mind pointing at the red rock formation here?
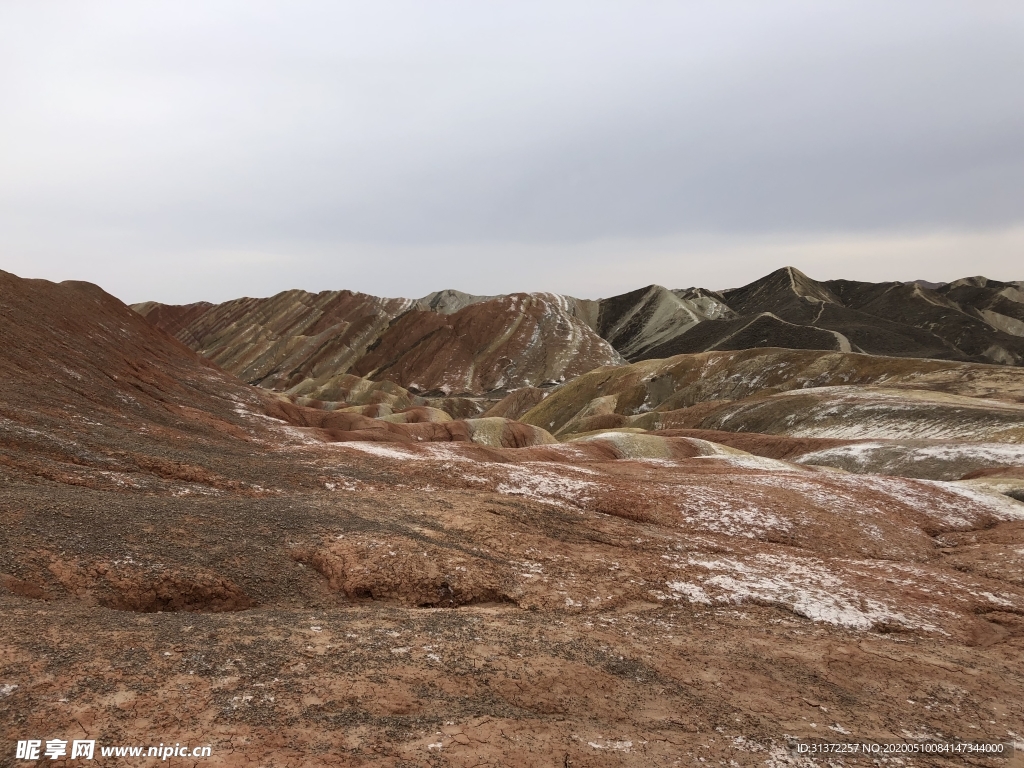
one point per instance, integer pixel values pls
(508, 342)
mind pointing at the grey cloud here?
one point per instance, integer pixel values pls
(289, 127)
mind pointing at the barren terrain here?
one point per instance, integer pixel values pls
(700, 559)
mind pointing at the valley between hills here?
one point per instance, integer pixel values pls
(667, 528)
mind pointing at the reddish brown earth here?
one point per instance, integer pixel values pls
(504, 343)
(187, 559)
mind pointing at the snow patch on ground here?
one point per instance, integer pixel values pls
(806, 586)
(620, 746)
(1002, 507)
(446, 451)
(541, 483)
(300, 435)
(858, 453)
(692, 592)
(387, 452)
(722, 517)
(753, 462)
(899, 458)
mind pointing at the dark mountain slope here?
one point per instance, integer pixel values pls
(786, 292)
(877, 335)
(747, 332)
(637, 321)
(787, 309)
(1001, 305)
(928, 310)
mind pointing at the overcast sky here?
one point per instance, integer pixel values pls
(181, 151)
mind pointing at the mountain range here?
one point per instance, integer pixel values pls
(452, 343)
(332, 529)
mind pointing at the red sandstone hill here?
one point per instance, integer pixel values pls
(513, 341)
(90, 385)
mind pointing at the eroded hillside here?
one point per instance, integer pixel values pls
(649, 564)
(452, 343)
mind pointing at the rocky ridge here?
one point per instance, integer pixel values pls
(453, 343)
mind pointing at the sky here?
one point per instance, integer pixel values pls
(185, 151)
